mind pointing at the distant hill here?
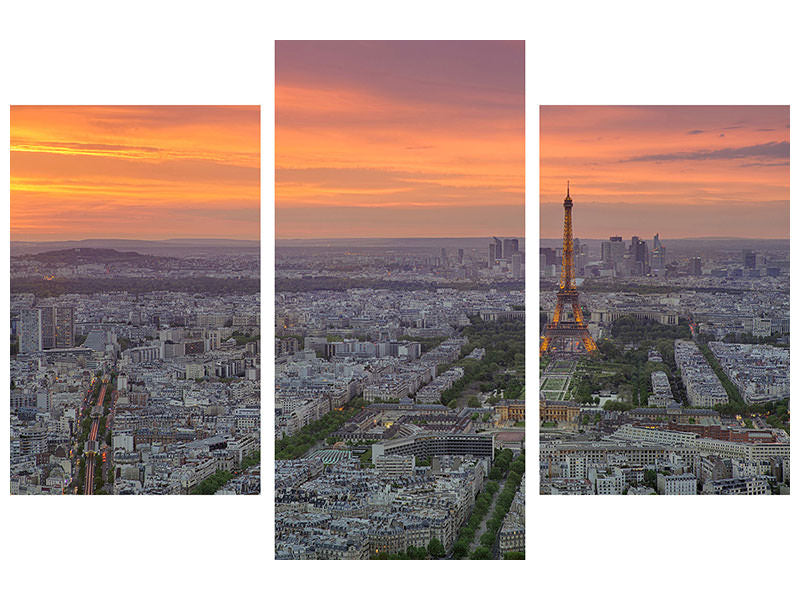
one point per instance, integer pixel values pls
(172, 247)
(82, 256)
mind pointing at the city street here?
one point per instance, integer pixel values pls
(89, 485)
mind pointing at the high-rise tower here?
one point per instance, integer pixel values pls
(564, 334)
(498, 253)
(58, 326)
(30, 331)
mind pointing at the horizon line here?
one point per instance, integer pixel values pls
(399, 237)
(704, 238)
(123, 239)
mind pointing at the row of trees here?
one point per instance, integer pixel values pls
(134, 285)
(502, 463)
(732, 391)
(749, 338)
(631, 329)
(242, 339)
(493, 525)
(296, 445)
(211, 484)
(642, 288)
(86, 426)
(98, 473)
(467, 532)
(780, 417)
(620, 406)
(642, 381)
(312, 284)
(81, 472)
(501, 466)
(776, 413)
(251, 460)
(488, 539)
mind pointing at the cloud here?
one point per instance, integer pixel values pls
(765, 164)
(694, 132)
(770, 150)
(46, 146)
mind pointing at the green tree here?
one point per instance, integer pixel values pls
(460, 549)
(436, 548)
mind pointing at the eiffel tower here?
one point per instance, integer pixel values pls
(564, 334)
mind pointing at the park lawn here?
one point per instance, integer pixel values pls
(552, 384)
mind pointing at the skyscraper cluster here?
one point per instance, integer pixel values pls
(506, 250)
(635, 259)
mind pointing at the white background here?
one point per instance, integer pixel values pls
(223, 53)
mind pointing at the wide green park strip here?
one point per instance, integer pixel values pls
(621, 365)
(502, 367)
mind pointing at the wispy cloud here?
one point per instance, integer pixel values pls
(776, 150)
(638, 169)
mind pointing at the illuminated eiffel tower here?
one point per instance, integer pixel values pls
(564, 334)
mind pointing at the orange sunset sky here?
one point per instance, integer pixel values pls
(399, 139)
(680, 171)
(143, 172)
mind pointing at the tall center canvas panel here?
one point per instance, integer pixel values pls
(400, 300)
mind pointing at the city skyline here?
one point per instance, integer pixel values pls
(135, 172)
(386, 139)
(629, 167)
